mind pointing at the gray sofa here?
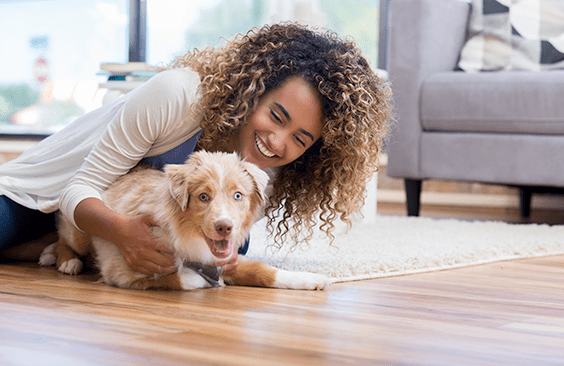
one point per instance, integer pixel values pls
(491, 127)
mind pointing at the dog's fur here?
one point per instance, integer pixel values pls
(204, 209)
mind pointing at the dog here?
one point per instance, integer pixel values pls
(204, 209)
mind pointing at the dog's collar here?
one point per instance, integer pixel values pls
(208, 273)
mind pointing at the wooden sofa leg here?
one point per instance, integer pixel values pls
(525, 194)
(413, 195)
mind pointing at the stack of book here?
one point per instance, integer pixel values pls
(131, 71)
(123, 78)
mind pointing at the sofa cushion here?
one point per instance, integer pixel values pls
(505, 102)
(514, 35)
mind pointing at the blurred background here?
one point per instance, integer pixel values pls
(52, 49)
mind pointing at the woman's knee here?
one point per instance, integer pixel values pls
(19, 224)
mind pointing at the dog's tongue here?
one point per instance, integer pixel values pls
(222, 248)
(222, 244)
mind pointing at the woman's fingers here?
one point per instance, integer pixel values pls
(230, 265)
(143, 252)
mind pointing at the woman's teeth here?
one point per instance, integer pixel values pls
(263, 149)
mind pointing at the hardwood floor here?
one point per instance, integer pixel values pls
(507, 313)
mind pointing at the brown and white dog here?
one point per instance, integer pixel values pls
(204, 209)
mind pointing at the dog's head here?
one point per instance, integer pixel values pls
(217, 198)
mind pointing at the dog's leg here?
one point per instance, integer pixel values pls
(255, 273)
(63, 256)
(66, 252)
(185, 279)
(49, 255)
(170, 282)
(67, 260)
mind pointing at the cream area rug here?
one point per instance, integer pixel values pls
(392, 246)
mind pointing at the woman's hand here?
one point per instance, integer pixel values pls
(230, 266)
(132, 235)
(141, 250)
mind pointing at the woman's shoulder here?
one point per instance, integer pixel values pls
(172, 88)
(174, 80)
(180, 74)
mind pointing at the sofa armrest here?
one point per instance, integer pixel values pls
(426, 37)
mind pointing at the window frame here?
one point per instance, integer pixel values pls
(137, 30)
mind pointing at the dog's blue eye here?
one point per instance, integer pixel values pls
(204, 197)
(238, 196)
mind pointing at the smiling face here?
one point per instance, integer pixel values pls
(285, 123)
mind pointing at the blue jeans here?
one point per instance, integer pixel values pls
(19, 224)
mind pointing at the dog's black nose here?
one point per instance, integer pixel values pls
(224, 227)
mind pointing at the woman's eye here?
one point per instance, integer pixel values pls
(275, 116)
(204, 197)
(238, 196)
(299, 140)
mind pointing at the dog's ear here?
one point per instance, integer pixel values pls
(178, 184)
(179, 177)
(260, 179)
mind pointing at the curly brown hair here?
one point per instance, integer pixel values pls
(329, 180)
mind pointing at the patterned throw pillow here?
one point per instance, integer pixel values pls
(514, 35)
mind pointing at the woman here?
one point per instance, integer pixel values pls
(302, 104)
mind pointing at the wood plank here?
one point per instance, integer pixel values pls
(500, 313)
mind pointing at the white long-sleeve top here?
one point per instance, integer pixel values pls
(84, 158)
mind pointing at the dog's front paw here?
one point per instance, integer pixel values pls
(72, 267)
(301, 280)
(48, 257)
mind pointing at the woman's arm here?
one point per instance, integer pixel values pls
(149, 117)
(158, 109)
(132, 235)
(156, 114)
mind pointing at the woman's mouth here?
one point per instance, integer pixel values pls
(263, 149)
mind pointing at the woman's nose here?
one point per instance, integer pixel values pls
(276, 140)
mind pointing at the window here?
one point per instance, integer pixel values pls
(52, 52)
(174, 26)
(55, 47)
